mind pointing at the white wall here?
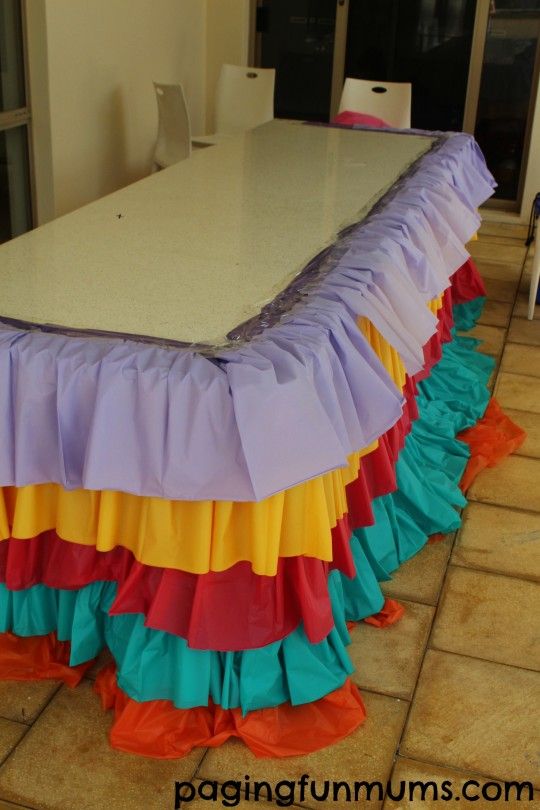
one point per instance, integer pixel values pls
(100, 58)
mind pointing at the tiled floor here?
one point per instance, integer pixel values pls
(450, 691)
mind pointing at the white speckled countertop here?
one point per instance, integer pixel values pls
(201, 246)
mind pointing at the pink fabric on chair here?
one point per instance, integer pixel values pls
(350, 117)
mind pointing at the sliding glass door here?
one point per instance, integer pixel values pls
(507, 89)
(303, 40)
(473, 65)
(15, 191)
(425, 42)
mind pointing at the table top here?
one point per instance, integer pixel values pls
(189, 253)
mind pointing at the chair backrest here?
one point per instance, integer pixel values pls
(390, 101)
(174, 129)
(244, 97)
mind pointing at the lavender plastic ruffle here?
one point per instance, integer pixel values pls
(291, 394)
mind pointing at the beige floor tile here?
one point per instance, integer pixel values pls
(530, 422)
(420, 578)
(496, 313)
(492, 338)
(506, 229)
(484, 250)
(509, 273)
(497, 539)
(23, 700)
(518, 392)
(520, 359)
(72, 764)
(366, 754)
(499, 289)
(388, 659)
(477, 716)
(408, 770)
(515, 482)
(523, 331)
(10, 735)
(489, 616)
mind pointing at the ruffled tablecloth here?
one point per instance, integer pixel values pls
(216, 517)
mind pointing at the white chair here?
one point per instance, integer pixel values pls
(174, 129)
(390, 101)
(244, 99)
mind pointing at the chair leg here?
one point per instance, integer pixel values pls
(535, 278)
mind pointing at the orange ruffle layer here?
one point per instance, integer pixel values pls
(37, 658)
(158, 729)
(493, 438)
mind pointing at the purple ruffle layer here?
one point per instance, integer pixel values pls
(291, 401)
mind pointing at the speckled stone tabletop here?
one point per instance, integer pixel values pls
(190, 252)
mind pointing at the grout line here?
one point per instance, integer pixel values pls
(399, 597)
(16, 804)
(493, 573)
(512, 508)
(485, 660)
(197, 768)
(30, 726)
(522, 410)
(519, 373)
(482, 658)
(372, 691)
(473, 499)
(521, 578)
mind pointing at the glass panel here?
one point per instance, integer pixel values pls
(15, 211)
(297, 38)
(12, 91)
(505, 89)
(426, 42)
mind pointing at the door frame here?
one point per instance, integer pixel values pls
(21, 117)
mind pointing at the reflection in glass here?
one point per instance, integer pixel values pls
(506, 88)
(297, 39)
(425, 42)
(15, 213)
(12, 92)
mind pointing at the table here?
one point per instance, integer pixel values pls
(207, 380)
